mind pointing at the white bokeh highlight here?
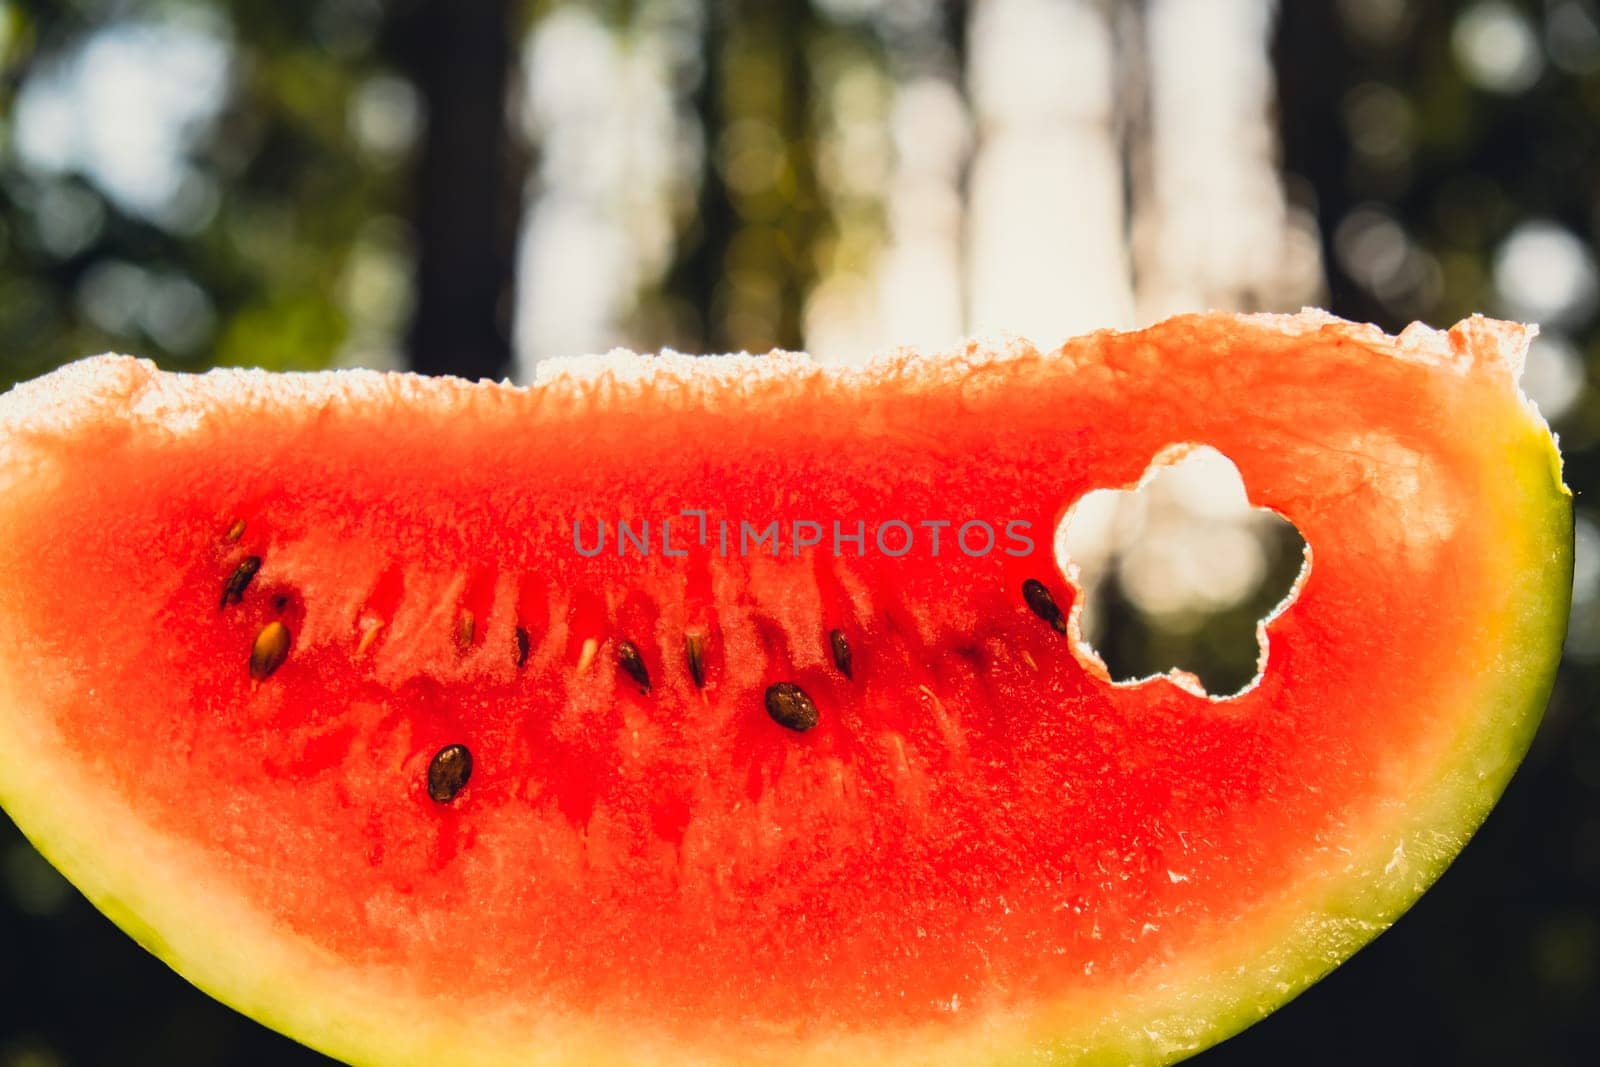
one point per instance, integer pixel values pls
(122, 109)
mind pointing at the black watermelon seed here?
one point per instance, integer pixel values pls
(233, 589)
(1043, 604)
(448, 773)
(269, 651)
(694, 651)
(841, 652)
(629, 660)
(789, 707)
(523, 646)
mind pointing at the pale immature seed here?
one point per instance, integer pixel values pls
(466, 626)
(369, 637)
(235, 531)
(269, 651)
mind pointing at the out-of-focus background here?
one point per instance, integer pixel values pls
(472, 187)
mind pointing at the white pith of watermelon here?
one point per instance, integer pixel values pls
(1111, 874)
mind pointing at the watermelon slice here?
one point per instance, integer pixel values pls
(324, 688)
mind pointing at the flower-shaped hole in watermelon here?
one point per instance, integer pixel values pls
(1180, 574)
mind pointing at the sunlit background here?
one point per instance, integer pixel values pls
(474, 187)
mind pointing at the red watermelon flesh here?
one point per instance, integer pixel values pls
(245, 620)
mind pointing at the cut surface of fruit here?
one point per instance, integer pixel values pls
(733, 710)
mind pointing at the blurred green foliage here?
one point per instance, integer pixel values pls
(267, 238)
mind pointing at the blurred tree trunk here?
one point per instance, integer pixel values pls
(1311, 60)
(804, 217)
(746, 263)
(703, 248)
(468, 182)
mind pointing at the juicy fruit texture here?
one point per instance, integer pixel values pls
(318, 686)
